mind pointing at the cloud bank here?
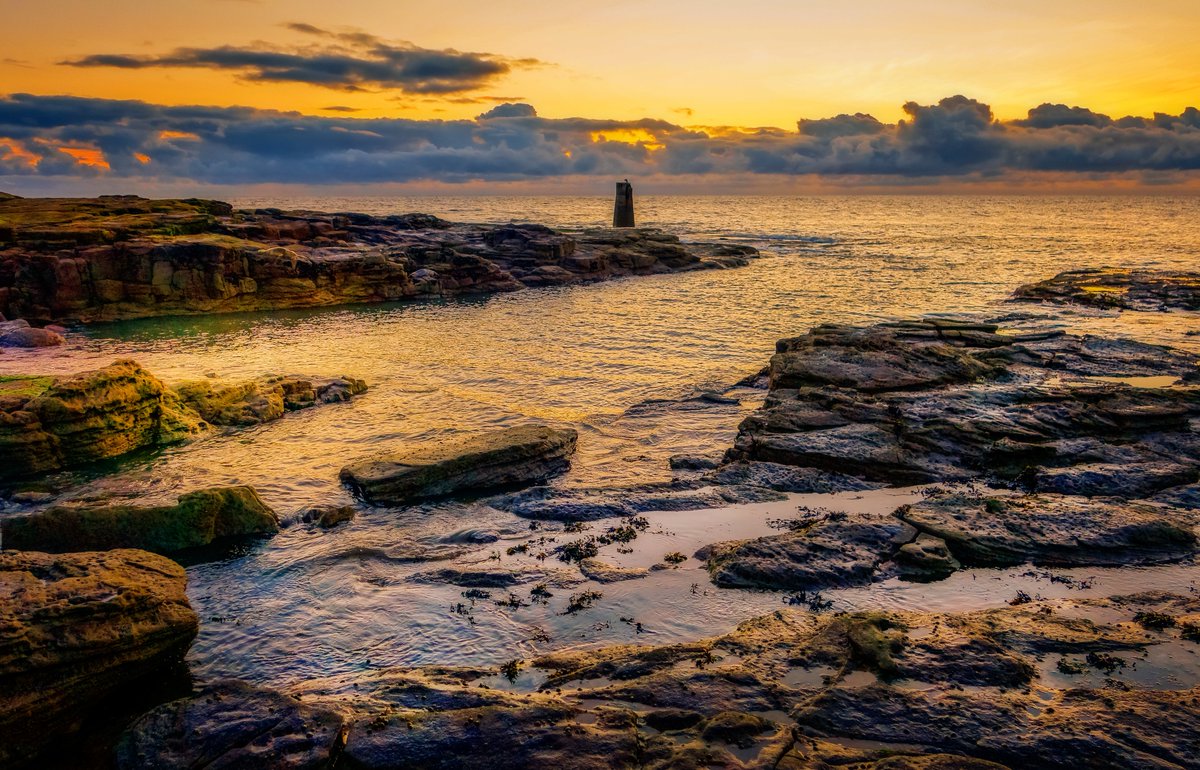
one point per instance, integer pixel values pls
(957, 138)
(347, 61)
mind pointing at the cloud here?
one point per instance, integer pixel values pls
(343, 60)
(956, 138)
(509, 111)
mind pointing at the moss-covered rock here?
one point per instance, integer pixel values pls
(198, 519)
(91, 416)
(78, 629)
(256, 401)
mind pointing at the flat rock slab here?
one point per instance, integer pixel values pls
(840, 550)
(514, 456)
(549, 503)
(1117, 288)
(234, 725)
(198, 519)
(75, 629)
(1127, 480)
(1058, 530)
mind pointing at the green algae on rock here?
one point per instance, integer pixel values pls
(49, 424)
(257, 401)
(91, 416)
(197, 519)
(75, 630)
(522, 455)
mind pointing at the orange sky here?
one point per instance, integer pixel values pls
(754, 62)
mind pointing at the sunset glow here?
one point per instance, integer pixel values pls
(735, 72)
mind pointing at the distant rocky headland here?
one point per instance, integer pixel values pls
(119, 257)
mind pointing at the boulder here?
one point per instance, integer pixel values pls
(231, 724)
(19, 334)
(328, 516)
(77, 629)
(1058, 530)
(91, 416)
(197, 519)
(508, 457)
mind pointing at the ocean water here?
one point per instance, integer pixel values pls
(616, 360)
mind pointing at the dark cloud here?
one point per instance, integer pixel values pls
(509, 111)
(1053, 115)
(957, 138)
(348, 61)
(842, 125)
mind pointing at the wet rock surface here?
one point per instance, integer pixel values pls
(1060, 530)
(118, 257)
(831, 550)
(593, 504)
(198, 519)
(77, 629)
(791, 689)
(951, 400)
(49, 424)
(1117, 288)
(233, 724)
(522, 455)
(258, 401)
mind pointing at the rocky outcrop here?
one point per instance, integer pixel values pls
(54, 424)
(1145, 290)
(77, 629)
(1058, 530)
(198, 519)
(797, 690)
(512, 456)
(234, 724)
(48, 424)
(942, 400)
(257, 401)
(126, 257)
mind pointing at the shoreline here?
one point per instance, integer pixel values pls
(822, 670)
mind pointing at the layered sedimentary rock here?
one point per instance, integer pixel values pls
(127, 257)
(870, 690)
(522, 455)
(48, 424)
(1058, 530)
(233, 724)
(1146, 290)
(256, 401)
(197, 519)
(51, 424)
(78, 628)
(943, 400)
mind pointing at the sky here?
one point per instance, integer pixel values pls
(523, 95)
